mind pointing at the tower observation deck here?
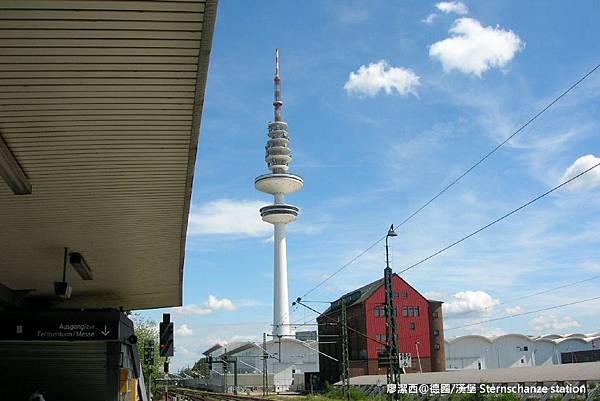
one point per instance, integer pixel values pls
(279, 182)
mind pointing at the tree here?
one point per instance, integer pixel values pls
(200, 368)
(146, 329)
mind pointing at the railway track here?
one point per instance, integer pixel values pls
(185, 394)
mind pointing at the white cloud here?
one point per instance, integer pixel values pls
(370, 80)
(181, 350)
(467, 301)
(514, 310)
(447, 7)
(211, 305)
(229, 217)
(192, 310)
(216, 304)
(429, 19)
(589, 180)
(452, 7)
(473, 49)
(548, 323)
(184, 331)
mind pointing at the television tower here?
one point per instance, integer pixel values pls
(279, 183)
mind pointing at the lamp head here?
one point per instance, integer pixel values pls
(391, 232)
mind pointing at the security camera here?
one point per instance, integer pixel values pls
(63, 289)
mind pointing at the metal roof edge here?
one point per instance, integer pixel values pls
(208, 26)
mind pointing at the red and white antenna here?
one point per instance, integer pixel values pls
(279, 182)
(277, 103)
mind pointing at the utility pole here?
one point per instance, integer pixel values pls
(235, 378)
(265, 365)
(345, 358)
(225, 366)
(393, 373)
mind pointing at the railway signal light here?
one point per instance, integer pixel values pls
(166, 336)
(149, 352)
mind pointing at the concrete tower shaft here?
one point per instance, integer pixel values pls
(279, 183)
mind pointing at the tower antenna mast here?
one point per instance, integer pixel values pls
(277, 103)
(279, 182)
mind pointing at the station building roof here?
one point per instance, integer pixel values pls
(100, 105)
(555, 338)
(360, 295)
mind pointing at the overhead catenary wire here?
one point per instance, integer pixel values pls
(523, 313)
(461, 176)
(499, 219)
(562, 184)
(353, 329)
(497, 147)
(347, 326)
(453, 315)
(343, 266)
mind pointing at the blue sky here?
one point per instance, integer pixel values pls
(387, 102)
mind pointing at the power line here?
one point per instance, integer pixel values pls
(478, 231)
(525, 296)
(347, 326)
(335, 322)
(494, 150)
(523, 313)
(316, 302)
(344, 266)
(444, 249)
(460, 177)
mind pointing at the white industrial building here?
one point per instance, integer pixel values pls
(518, 350)
(289, 359)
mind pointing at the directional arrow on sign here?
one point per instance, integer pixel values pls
(105, 331)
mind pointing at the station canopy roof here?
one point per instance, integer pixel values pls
(100, 105)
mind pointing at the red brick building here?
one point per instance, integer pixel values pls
(420, 330)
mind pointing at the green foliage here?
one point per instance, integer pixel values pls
(147, 329)
(200, 368)
(336, 393)
(596, 396)
(333, 392)
(503, 397)
(469, 397)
